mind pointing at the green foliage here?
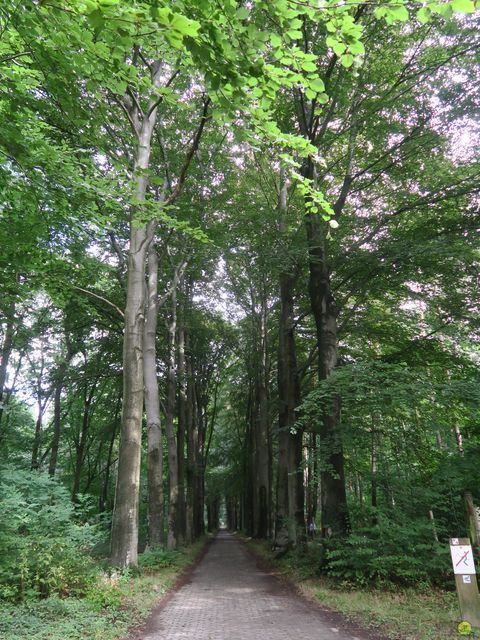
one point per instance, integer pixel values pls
(53, 618)
(389, 552)
(159, 558)
(109, 606)
(43, 548)
(104, 594)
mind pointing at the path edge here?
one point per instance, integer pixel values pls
(336, 618)
(136, 632)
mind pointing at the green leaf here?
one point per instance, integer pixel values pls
(423, 14)
(398, 13)
(347, 60)
(309, 66)
(337, 46)
(184, 25)
(242, 13)
(275, 41)
(463, 6)
(317, 85)
(356, 48)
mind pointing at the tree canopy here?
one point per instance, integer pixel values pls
(239, 277)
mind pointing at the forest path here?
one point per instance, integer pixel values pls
(229, 598)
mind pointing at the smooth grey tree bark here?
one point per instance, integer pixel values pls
(182, 422)
(152, 406)
(172, 535)
(125, 515)
(124, 550)
(173, 538)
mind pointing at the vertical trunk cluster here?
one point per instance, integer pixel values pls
(7, 347)
(152, 406)
(332, 479)
(182, 426)
(262, 464)
(290, 519)
(311, 478)
(57, 406)
(200, 424)
(125, 514)
(256, 501)
(81, 444)
(195, 419)
(170, 410)
(187, 422)
(139, 355)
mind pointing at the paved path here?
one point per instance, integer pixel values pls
(229, 598)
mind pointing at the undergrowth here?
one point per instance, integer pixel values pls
(110, 605)
(420, 612)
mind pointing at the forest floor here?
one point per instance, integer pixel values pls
(395, 613)
(231, 589)
(112, 606)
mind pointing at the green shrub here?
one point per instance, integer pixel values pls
(400, 553)
(159, 558)
(42, 547)
(104, 594)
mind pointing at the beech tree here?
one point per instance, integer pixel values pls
(304, 165)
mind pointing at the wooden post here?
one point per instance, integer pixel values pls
(466, 580)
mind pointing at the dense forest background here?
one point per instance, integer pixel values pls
(239, 283)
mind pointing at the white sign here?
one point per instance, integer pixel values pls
(467, 579)
(462, 559)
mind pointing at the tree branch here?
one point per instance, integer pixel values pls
(159, 100)
(193, 149)
(95, 295)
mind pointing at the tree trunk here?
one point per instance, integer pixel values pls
(312, 478)
(82, 441)
(262, 449)
(102, 506)
(191, 455)
(152, 406)
(41, 406)
(201, 422)
(334, 498)
(473, 519)
(249, 465)
(289, 512)
(125, 514)
(172, 538)
(7, 347)
(57, 409)
(182, 418)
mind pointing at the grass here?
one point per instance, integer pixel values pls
(112, 605)
(397, 614)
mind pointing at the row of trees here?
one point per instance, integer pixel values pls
(164, 164)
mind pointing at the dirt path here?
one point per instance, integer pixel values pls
(229, 598)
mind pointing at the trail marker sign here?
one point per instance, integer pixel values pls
(466, 581)
(462, 559)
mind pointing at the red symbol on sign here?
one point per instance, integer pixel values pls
(464, 558)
